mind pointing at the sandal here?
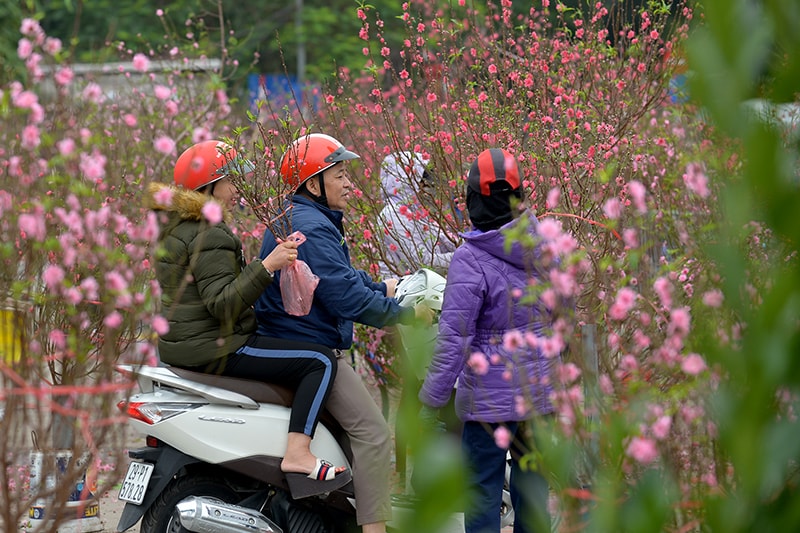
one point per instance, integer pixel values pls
(321, 480)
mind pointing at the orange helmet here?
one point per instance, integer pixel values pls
(206, 162)
(309, 155)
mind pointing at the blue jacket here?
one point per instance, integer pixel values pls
(344, 295)
(480, 306)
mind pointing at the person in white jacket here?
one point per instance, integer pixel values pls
(412, 238)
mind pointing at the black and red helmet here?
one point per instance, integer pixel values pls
(492, 182)
(493, 170)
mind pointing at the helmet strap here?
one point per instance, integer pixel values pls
(321, 199)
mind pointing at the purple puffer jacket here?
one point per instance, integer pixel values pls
(480, 306)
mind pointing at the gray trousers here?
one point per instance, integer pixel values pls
(354, 408)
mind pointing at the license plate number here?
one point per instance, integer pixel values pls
(135, 483)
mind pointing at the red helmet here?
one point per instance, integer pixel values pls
(206, 162)
(309, 155)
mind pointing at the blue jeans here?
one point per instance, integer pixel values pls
(529, 490)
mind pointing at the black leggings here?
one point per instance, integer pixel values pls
(307, 367)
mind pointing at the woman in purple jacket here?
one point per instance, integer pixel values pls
(502, 384)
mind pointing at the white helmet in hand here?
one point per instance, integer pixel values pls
(422, 287)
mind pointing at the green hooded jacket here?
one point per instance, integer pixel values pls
(207, 289)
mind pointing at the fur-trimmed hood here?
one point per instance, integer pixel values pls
(186, 204)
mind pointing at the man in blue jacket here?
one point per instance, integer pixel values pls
(314, 166)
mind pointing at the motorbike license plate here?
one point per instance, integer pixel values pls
(135, 483)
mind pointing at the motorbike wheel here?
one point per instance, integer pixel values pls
(161, 516)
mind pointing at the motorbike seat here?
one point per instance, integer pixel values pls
(257, 390)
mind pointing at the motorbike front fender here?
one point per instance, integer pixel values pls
(168, 461)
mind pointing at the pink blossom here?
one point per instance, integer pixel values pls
(564, 245)
(93, 166)
(563, 282)
(663, 289)
(30, 27)
(641, 340)
(642, 450)
(512, 340)
(52, 45)
(201, 134)
(478, 363)
(521, 407)
(172, 108)
(73, 295)
(161, 92)
(696, 180)
(160, 325)
(66, 146)
(90, 288)
(606, 386)
(709, 478)
(713, 298)
(72, 220)
(661, 427)
(626, 298)
(553, 197)
(116, 282)
(164, 145)
(631, 237)
(53, 276)
(568, 373)
(628, 363)
(33, 64)
(64, 76)
(637, 192)
(693, 364)
(502, 437)
(30, 137)
(212, 212)
(432, 97)
(549, 298)
(24, 48)
(113, 320)
(680, 320)
(552, 346)
(93, 93)
(612, 208)
(164, 196)
(141, 62)
(58, 338)
(33, 226)
(25, 99)
(130, 120)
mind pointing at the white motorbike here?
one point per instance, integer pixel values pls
(212, 457)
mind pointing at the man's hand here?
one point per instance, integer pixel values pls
(391, 285)
(423, 314)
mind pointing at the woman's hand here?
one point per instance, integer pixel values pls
(283, 255)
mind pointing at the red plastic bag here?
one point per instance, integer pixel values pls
(298, 283)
